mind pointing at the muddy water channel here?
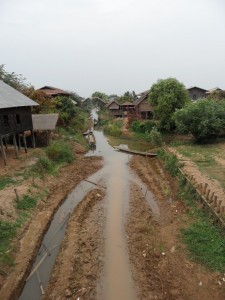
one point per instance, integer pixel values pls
(116, 280)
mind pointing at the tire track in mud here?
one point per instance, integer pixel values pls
(80, 259)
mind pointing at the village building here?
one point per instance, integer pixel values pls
(196, 93)
(53, 92)
(115, 109)
(143, 108)
(128, 108)
(43, 126)
(15, 117)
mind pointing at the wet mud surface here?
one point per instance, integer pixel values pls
(80, 260)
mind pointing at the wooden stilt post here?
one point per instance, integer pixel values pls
(5, 143)
(25, 142)
(15, 145)
(19, 141)
(3, 151)
(33, 139)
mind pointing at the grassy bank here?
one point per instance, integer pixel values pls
(204, 240)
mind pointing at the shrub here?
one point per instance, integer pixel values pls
(171, 162)
(26, 203)
(43, 165)
(113, 130)
(142, 126)
(155, 137)
(59, 151)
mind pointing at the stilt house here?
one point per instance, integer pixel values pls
(15, 116)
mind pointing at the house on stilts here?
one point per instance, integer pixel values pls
(15, 118)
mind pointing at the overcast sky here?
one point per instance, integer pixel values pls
(114, 46)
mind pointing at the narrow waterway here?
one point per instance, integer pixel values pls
(116, 280)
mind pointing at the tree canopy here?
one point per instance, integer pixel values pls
(166, 96)
(204, 119)
(100, 95)
(127, 97)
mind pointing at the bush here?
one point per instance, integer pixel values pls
(171, 162)
(43, 165)
(155, 137)
(113, 130)
(142, 126)
(59, 151)
(203, 119)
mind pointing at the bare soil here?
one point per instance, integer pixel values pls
(28, 240)
(80, 260)
(161, 268)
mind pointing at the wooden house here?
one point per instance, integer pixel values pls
(128, 108)
(115, 109)
(53, 92)
(143, 109)
(196, 93)
(15, 116)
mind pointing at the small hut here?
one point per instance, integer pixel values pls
(15, 117)
(43, 125)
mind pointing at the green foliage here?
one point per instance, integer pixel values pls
(113, 129)
(142, 126)
(59, 151)
(26, 203)
(127, 97)
(205, 243)
(66, 109)
(100, 95)
(17, 81)
(204, 118)
(166, 96)
(43, 166)
(155, 137)
(5, 181)
(171, 162)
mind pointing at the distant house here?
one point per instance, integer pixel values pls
(196, 93)
(215, 90)
(115, 109)
(96, 101)
(128, 108)
(15, 116)
(53, 92)
(143, 109)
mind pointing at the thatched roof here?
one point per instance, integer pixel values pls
(10, 97)
(44, 121)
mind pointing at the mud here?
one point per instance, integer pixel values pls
(160, 266)
(80, 260)
(29, 239)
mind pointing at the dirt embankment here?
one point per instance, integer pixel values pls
(80, 259)
(161, 269)
(28, 242)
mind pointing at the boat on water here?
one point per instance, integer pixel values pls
(127, 150)
(91, 140)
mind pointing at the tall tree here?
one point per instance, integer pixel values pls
(100, 95)
(166, 96)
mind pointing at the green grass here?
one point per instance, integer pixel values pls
(6, 181)
(26, 203)
(204, 156)
(204, 240)
(59, 152)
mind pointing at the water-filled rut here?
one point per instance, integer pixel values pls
(116, 279)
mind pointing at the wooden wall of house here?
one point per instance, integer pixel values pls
(144, 106)
(15, 119)
(196, 94)
(114, 106)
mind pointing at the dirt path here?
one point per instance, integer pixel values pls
(161, 268)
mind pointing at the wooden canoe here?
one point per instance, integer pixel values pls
(135, 152)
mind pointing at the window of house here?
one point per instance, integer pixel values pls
(18, 120)
(6, 120)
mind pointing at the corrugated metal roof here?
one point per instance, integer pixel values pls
(10, 97)
(44, 121)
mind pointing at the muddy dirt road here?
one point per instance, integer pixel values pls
(122, 239)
